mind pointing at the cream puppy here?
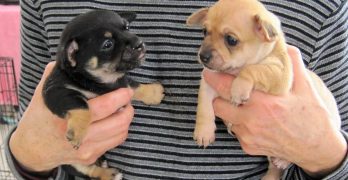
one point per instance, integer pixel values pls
(241, 37)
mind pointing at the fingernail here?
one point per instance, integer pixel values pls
(121, 108)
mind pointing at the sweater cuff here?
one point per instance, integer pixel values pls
(20, 173)
(340, 173)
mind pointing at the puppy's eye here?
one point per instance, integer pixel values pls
(205, 32)
(107, 45)
(231, 41)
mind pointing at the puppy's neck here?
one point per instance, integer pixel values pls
(265, 50)
(106, 77)
(86, 81)
(278, 55)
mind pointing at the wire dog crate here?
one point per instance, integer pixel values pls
(8, 109)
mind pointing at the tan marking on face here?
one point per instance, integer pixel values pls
(93, 63)
(108, 34)
(106, 73)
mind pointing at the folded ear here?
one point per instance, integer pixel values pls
(265, 30)
(129, 16)
(71, 50)
(198, 17)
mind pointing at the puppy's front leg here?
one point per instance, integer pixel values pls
(271, 76)
(78, 122)
(102, 173)
(71, 105)
(150, 94)
(204, 132)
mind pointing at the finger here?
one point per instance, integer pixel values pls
(113, 125)
(251, 144)
(90, 152)
(226, 111)
(107, 104)
(300, 82)
(48, 69)
(220, 82)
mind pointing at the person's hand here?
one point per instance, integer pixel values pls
(295, 126)
(39, 143)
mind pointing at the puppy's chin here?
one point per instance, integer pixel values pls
(229, 70)
(141, 56)
(127, 66)
(211, 68)
(131, 62)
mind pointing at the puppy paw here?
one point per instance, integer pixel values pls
(78, 122)
(204, 134)
(110, 174)
(97, 172)
(156, 94)
(240, 91)
(74, 141)
(102, 173)
(271, 176)
(150, 94)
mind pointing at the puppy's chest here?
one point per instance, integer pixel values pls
(91, 89)
(88, 94)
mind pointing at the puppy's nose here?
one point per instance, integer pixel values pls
(205, 57)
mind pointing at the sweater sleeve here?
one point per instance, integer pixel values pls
(330, 62)
(21, 174)
(296, 173)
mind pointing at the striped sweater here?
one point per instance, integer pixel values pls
(160, 145)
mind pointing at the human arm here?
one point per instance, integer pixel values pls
(295, 126)
(39, 144)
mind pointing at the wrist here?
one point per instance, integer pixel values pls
(29, 174)
(24, 156)
(335, 154)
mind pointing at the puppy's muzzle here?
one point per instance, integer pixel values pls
(205, 57)
(135, 51)
(140, 46)
(211, 59)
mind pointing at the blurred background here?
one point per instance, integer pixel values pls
(9, 74)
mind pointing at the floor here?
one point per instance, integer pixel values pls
(5, 173)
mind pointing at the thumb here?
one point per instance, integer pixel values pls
(109, 103)
(220, 82)
(48, 69)
(229, 113)
(301, 77)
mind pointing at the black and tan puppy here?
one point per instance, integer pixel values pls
(95, 52)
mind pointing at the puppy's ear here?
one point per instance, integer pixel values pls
(129, 16)
(198, 17)
(265, 30)
(71, 50)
